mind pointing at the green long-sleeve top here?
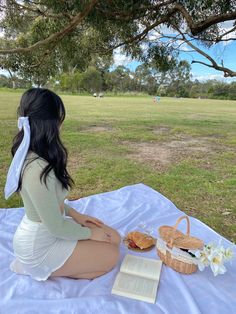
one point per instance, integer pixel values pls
(44, 204)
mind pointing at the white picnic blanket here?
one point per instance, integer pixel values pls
(123, 209)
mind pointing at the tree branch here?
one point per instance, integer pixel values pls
(143, 34)
(75, 21)
(199, 27)
(124, 15)
(227, 71)
(220, 38)
(217, 39)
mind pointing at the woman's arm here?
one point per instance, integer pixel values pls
(72, 213)
(45, 202)
(81, 218)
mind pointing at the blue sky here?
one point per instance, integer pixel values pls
(221, 51)
(225, 51)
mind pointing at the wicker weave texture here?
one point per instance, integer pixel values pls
(179, 266)
(175, 238)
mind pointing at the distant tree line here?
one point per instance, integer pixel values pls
(144, 80)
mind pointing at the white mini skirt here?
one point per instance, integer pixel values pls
(38, 251)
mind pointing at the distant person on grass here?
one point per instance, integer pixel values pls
(48, 243)
(156, 99)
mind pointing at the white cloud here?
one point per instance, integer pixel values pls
(120, 58)
(1, 32)
(185, 47)
(153, 35)
(225, 27)
(209, 76)
(4, 72)
(167, 30)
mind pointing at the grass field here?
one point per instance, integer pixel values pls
(183, 148)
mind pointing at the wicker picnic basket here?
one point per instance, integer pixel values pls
(172, 247)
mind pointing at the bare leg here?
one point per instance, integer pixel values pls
(90, 259)
(90, 275)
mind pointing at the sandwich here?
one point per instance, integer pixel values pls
(139, 240)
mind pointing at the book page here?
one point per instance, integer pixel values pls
(138, 288)
(141, 266)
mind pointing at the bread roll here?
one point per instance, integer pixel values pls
(142, 240)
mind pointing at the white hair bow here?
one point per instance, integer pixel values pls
(18, 159)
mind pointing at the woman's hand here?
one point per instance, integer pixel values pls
(85, 220)
(100, 235)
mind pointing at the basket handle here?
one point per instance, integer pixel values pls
(170, 244)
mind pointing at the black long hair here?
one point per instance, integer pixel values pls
(46, 112)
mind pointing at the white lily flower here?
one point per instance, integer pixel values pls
(201, 266)
(210, 246)
(216, 262)
(218, 268)
(228, 254)
(220, 247)
(213, 255)
(202, 259)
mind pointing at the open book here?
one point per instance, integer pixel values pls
(138, 278)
